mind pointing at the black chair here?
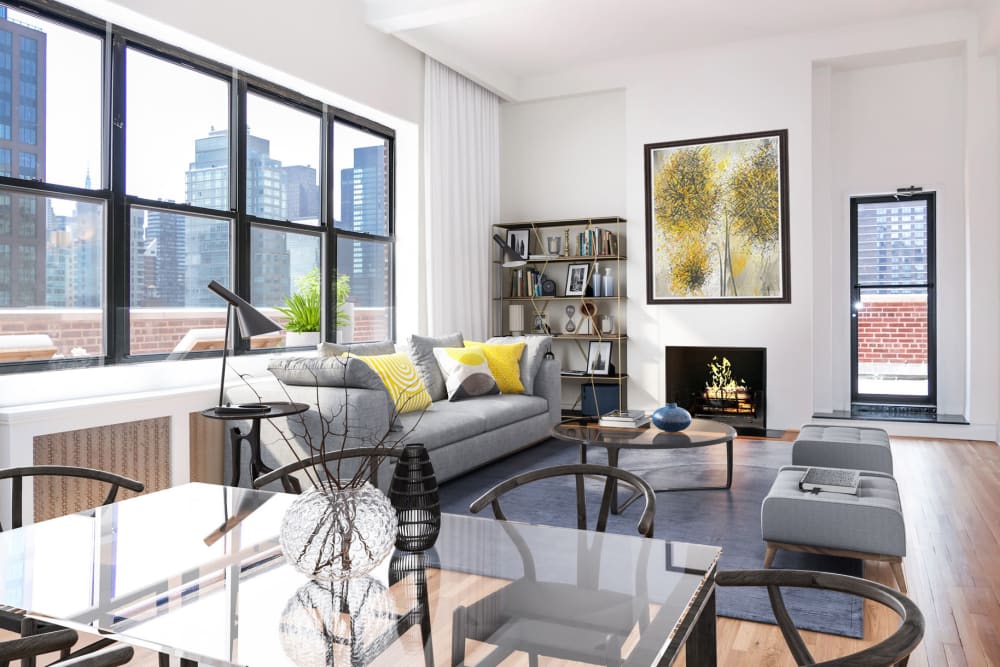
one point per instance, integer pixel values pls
(611, 477)
(374, 457)
(893, 650)
(62, 640)
(14, 620)
(549, 617)
(17, 475)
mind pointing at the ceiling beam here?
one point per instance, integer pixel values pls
(392, 16)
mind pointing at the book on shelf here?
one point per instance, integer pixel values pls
(595, 242)
(525, 283)
(834, 480)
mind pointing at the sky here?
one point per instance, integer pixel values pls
(168, 107)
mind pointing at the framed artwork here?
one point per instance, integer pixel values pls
(717, 220)
(599, 357)
(576, 279)
(518, 240)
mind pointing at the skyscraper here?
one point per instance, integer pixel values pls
(166, 240)
(302, 193)
(362, 209)
(207, 243)
(22, 153)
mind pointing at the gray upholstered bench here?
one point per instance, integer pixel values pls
(868, 525)
(849, 447)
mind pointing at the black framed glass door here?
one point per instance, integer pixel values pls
(893, 300)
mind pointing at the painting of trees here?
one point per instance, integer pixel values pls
(717, 223)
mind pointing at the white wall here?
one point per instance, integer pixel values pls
(563, 158)
(324, 50)
(768, 85)
(888, 132)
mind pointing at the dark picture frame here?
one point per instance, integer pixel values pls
(576, 279)
(717, 219)
(518, 240)
(599, 357)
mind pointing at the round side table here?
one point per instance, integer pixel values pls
(252, 437)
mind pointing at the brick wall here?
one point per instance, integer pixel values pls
(153, 330)
(892, 329)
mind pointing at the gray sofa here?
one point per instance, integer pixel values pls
(459, 436)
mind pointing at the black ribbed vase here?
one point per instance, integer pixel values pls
(414, 494)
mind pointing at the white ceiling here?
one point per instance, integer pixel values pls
(499, 42)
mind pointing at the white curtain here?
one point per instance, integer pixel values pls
(462, 195)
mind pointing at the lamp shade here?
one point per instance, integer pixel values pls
(252, 322)
(511, 260)
(516, 318)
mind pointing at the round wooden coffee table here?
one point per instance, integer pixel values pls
(701, 433)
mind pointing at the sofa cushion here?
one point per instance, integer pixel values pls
(504, 360)
(535, 349)
(466, 372)
(499, 411)
(421, 350)
(400, 378)
(360, 349)
(325, 372)
(446, 423)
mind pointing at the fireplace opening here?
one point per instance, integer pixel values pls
(723, 383)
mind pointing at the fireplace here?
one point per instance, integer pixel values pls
(722, 383)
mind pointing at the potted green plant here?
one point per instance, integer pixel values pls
(303, 309)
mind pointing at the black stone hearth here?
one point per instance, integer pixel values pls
(688, 374)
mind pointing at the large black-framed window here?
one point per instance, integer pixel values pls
(893, 299)
(160, 171)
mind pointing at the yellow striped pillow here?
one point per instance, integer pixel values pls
(504, 360)
(400, 378)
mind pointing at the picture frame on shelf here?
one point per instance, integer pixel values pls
(717, 219)
(599, 357)
(576, 279)
(518, 240)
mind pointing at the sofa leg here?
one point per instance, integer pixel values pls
(897, 571)
(769, 556)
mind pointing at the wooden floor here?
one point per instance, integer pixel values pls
(949, 490)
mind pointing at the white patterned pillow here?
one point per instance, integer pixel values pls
(466, 372)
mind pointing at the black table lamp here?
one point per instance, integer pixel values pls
(511, 260)
(250, 322)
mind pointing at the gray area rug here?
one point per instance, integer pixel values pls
(728, 518)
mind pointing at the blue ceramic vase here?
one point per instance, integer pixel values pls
(671, 418)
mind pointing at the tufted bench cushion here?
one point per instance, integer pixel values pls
(868, 525)
(849, 447)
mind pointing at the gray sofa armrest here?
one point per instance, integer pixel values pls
(283, 440)
(548, 384)
(366, 413)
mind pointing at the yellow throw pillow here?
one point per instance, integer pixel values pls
(400, 378)
(504, 360)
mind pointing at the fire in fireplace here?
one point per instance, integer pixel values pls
(722, 383)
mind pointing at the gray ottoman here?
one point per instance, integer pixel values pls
(843, 447)
(868, 525)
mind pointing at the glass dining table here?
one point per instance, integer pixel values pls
(196, 574)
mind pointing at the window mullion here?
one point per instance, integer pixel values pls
(117, 292)
(329, 255)
(238, 196)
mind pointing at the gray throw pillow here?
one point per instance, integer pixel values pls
(422, 354)
(361, 349)
(325, 372)
(535, 348)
